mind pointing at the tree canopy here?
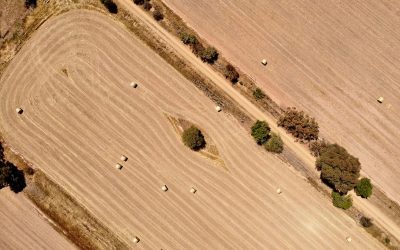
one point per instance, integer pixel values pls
(339, 169)
(193, 138)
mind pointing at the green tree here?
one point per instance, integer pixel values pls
(260, 132)
(193, 138)
(187, 38)
(341, 201)
(339, 169)
(231, 74)
(209, 54)
(258, 94)
(274, 144)
(366, 222)
(110, 5)
(158, 15)
(364, 188)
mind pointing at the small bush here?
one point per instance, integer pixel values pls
(198, 49)
(274, 144)
(341, 201)
(339, 169)
(260, 132)
(29, 171)
(158, 15)
(147, 6)
(231, 74)
(299, 124)
(316, 147)
(258, 94)
(110, 5)
(365, 222)
(209, 55)
(364, 188)
(138, 2)
(188, 39)
(30, 3)
(193, 138)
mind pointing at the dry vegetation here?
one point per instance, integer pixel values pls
(78, 224)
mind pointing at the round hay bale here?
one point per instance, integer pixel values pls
(136, 240)
(123, 158)
(164, 188)
(193, 190)
(264, 62)
(278, 191)
(118, 166)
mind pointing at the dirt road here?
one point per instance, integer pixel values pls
(72, 80)
(300, 151)
(332, 59)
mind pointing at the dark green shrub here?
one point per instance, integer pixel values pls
(365, 222)
(198, 49)
(138, 2)
(339, 169)
(274, 144)
(147, 6)
(260, 132)
(11, 176)
(209, 55)
(299, 124)
(187, 38)
(158, 15)
(193, 138)
(30, 3)
(258, 94)
(110, 5)
(364, 188)
(231, 74)
(341, 201)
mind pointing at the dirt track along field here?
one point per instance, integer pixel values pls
(330, 58)
(22, 226)
(80, 114)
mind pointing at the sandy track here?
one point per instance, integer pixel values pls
(75, 128)
(22, 227)
(332, 59)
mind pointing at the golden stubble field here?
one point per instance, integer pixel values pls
(80, 114)
(329, 58)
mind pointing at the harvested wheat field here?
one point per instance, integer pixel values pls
(332, 59)
(72, 79)
(23, 227)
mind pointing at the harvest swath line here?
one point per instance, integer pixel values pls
(75, 135)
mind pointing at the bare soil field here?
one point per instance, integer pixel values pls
(80, 115)
(329, 58)
(23, 227)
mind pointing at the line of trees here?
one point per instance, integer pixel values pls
(262, 134)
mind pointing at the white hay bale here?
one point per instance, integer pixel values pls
(278, 191)
(118, 166)
(134, 85)
(123, 158)
(348, 239)
(264, 62)
(19, 110)
(164, 188)
(218, 108)
(136, 240)
(380, 99)
(193, 190)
